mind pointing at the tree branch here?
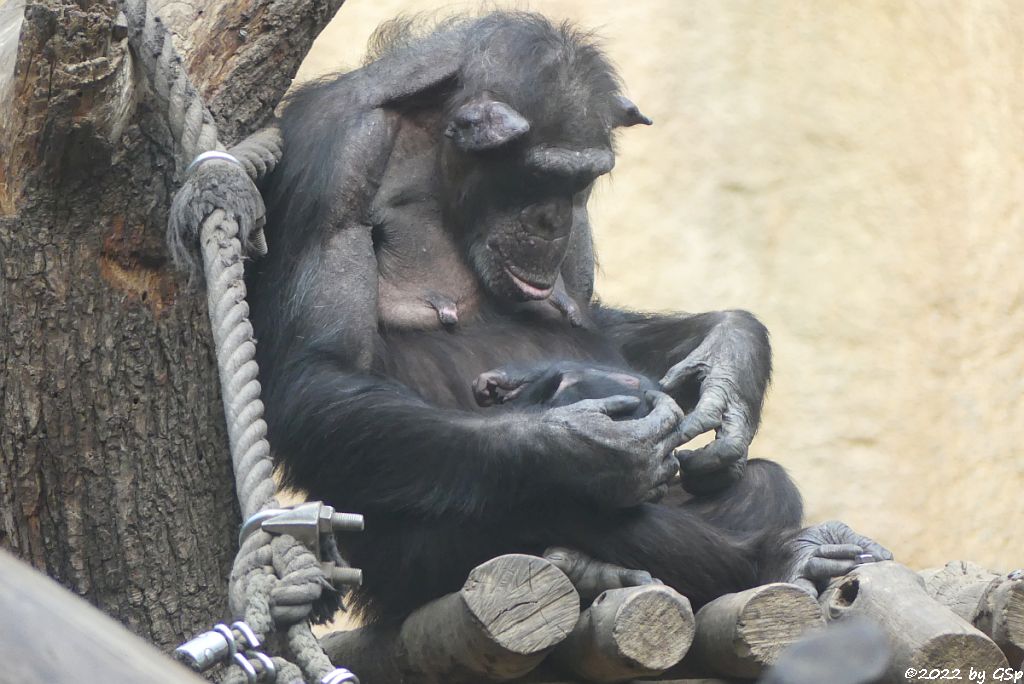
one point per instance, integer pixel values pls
(69, 97)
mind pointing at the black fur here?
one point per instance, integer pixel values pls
(369, 400)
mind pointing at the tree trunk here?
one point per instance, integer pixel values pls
(114, 472)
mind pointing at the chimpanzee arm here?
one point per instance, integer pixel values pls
(360, 440)
(373, 446)
(716, 365)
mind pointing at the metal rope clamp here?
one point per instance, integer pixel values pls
(224, 643)
(308, 523)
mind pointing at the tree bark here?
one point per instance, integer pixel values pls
(114, 472)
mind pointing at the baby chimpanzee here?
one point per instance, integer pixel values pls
(564, 383)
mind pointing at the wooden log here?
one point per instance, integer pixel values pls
(47, 634)
(628, 633)
(991, 601)
(924, 634)
(738, 635)
(509, 614)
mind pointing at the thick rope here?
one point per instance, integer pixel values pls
(274, 581)
(236, 352)
(191, 123)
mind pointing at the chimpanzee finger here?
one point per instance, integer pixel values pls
(665, 415)
(616, 405)
(879, 552)
(841, 532)
(707, 415)
(636, 578)
(827, 568)
(839, 551)
(678, 373)
(668, 470)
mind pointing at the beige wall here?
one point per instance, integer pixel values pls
(853, 172)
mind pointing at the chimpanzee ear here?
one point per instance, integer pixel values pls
(485, 124)
(627, 114)
(415, 78)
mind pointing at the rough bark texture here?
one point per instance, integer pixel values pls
(114, 473)
(922, 632)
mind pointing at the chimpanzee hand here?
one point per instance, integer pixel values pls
(619, 463)
(731, 364)
(831, 549)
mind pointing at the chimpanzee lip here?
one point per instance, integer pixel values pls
(529, 290)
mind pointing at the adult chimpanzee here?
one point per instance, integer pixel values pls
(428, 223)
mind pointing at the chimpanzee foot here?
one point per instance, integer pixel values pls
(592, 577)
(829, 550)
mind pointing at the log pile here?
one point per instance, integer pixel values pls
(518, 618)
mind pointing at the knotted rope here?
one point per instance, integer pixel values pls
(275, 580)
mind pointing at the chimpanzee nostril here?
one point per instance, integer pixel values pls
(548, 220)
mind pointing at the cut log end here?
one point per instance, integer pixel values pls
(510, 612)
(1013, 614)
(524, 603)
(628, 633)
(654, 627)
(954, 651)
(774, 617)
(740, 634)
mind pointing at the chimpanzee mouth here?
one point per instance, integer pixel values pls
(529, 290)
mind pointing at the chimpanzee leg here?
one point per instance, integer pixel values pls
(674, 545)
(764, 498)
(703, 546)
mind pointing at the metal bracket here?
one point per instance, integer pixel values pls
(306, 522)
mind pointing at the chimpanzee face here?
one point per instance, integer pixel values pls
(514, 199)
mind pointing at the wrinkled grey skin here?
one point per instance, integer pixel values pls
(828, 550)
(592, 577)
(620, 472)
